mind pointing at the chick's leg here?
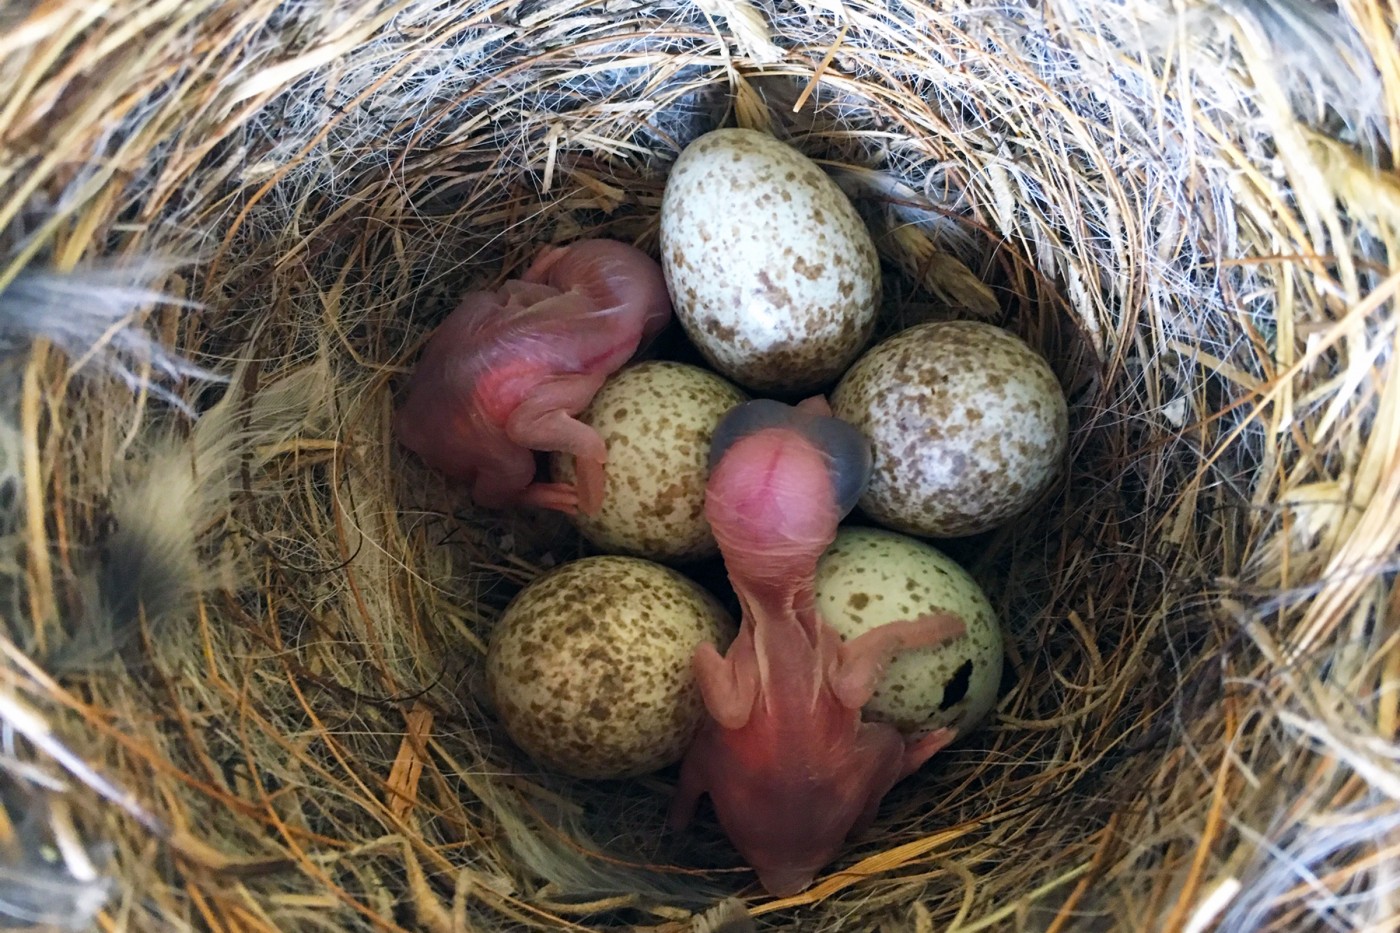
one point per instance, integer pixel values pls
(922, 749)
(689, 789)
(544, 422)
(882, 748)
(504, 482)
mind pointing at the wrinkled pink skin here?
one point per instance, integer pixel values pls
(789, 765)
(507, 372)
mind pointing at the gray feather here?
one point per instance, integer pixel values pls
(90, 314)
(151, 567)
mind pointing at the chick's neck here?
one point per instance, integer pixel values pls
(777, 590)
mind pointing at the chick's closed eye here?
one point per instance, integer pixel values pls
(847, 450)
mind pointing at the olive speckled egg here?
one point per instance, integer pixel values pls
(968, 425)
(657, 419)
(772, 272)
(589, 666)
(869, 577)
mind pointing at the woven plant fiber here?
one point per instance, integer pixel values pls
(241, 676)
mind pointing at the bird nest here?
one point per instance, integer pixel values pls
(244, 632)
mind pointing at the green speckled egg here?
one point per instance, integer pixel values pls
(871, 576)
(589, 666)
(657, 419)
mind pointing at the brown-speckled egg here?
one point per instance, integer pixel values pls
(870, 576)
(773, 274)
(589, 666)
(968, 424)
(657, 419)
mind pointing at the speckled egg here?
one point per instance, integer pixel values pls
(968, 424)
(589, 666)
(870, 576)
(657, 419)
(772, 273)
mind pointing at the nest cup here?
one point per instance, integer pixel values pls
(244, 632)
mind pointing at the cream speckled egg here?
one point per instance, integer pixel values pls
(870, 576)
(968, 424)
(657, 419)
(772, 273)
(589, 666)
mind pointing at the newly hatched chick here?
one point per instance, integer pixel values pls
(791, 768)
(507, 371)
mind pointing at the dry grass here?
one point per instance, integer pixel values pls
(241, 687)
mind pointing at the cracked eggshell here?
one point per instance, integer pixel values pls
(871, 576)
(589, 666)
(968, 426)
(657, 419)
(772, 273)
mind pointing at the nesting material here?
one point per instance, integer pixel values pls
(1189, 209)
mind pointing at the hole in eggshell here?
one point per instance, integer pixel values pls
(957, 686)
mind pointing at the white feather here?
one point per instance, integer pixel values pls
(92, 315)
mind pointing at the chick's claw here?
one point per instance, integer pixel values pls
(561, 497)
(590, 478)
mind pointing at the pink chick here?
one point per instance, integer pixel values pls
(507, 372)
(789, 765)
